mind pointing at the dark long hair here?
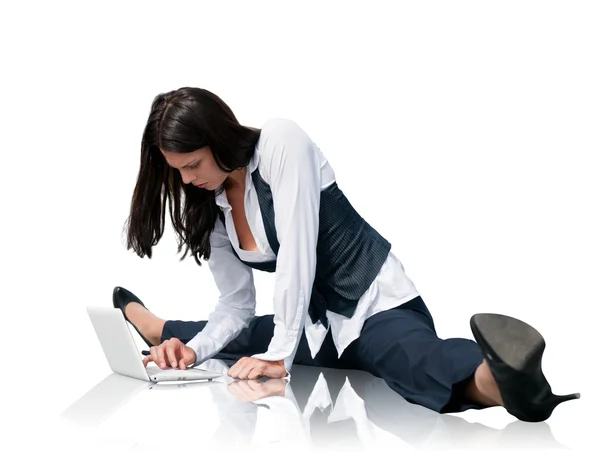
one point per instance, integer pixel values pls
(182, 121)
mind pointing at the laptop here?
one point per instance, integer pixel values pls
(122, 353)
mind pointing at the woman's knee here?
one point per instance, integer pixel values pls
(183, 330)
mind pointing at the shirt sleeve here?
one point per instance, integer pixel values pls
(293, 169)
(237, 301)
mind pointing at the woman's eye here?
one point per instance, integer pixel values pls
(195, 166)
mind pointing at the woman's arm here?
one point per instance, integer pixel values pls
(293, 168)
(237, 301)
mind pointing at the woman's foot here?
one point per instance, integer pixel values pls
(146, 322)
(485, 382)
(482, 388)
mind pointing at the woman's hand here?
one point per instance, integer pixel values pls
(253, 368)
(172, 353)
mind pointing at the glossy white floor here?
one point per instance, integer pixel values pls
(321, 408)
(96, 419)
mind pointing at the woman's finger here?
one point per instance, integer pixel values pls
(171, 357)
(154, 354)
(255, 373)
(182, 362)
(253, 369)
(147, 360)
(160, 355)
(238, 367)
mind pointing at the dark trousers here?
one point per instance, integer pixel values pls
(399, 345)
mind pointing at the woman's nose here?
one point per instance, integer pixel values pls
(187, 179)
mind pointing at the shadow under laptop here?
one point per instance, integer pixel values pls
(322, 408)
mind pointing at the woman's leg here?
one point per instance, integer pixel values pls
(401, 346)
(148, 324)
(253, 339)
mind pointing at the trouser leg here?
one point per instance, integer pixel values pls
(401, 346)
(255, 339)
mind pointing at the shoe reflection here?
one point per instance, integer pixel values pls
(319, 407)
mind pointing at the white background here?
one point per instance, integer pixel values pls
(465, 132)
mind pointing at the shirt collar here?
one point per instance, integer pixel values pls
(221, 198)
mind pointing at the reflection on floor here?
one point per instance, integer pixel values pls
(321, 408)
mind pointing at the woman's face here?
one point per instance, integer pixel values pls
(197, 167)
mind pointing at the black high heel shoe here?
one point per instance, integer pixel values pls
(121, 297)
(513, 350)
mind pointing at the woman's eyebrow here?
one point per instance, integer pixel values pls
(190, 164)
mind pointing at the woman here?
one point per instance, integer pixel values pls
(267, 199)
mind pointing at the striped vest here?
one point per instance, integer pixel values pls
(350, 252)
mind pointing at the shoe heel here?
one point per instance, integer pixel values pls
(546, 407)
(556, 400)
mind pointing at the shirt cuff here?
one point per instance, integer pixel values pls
(204, 347)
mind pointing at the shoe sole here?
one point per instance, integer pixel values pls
(508, 340)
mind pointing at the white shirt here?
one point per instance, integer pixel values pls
(296, 171)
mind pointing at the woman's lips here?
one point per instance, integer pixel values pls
(203, 185)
